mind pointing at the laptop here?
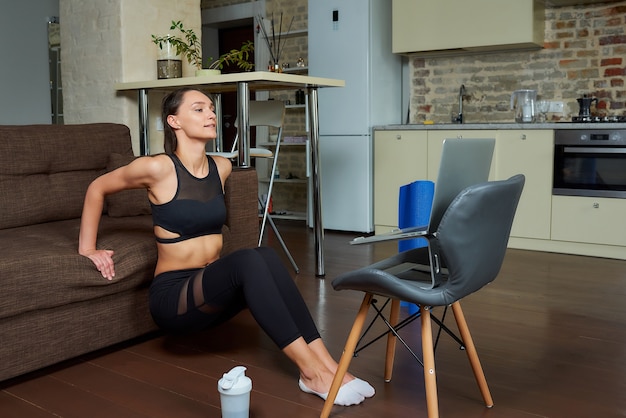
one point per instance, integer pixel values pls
(464, 162)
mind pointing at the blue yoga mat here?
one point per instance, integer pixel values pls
(414, 206)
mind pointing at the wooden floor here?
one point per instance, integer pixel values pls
(550, 332)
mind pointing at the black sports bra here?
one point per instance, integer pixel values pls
(197, 208)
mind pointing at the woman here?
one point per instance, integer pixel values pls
(193, 288)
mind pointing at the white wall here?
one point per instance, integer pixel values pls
(109, 41)
(24, 69)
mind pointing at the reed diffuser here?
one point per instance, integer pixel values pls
(275, 40)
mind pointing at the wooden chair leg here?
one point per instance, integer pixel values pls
(428, 352)
(348, 353)
(394, 315)
(472, 354)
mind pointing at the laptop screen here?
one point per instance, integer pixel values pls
(464, 162)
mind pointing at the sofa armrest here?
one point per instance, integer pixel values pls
(242, 219)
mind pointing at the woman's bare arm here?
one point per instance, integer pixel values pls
(141, 173)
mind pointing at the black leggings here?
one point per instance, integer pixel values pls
(195, 299)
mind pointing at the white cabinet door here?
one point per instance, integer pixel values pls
(591, 220)
(528, 152)
(399, 159)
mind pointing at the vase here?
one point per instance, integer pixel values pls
(169, 69)
(169, 64)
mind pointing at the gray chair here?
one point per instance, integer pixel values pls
(265, 113)
(464, 254)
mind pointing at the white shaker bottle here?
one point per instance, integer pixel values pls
(234, 388)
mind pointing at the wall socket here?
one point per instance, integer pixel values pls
(159, 124)
(556, 107)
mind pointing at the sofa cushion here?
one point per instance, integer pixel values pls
(45, 169)
(41, 267)
(127, 202)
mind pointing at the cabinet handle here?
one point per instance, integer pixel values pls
(596, 205)
(459, 136)
(398, 137)
(523, 136)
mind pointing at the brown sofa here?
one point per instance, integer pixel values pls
(54, 305)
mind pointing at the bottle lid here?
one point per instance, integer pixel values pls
(235, 382)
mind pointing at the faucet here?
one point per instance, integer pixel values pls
(459, 118)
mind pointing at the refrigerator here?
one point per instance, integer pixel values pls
(351, 40)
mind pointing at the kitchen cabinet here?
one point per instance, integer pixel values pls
(543, 222)
(445, 27)
(435, 147)
(528, 152)
(400, 157)
(590, 220)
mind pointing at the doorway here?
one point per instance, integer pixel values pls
(225, 28)
(228, 39)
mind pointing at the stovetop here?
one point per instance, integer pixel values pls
(599, 119)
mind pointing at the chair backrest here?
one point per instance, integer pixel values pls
(263, 113)
(474, 232)
(267, 113)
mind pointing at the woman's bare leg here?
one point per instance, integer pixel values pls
(318, 347)
(315, 376)
(317, 369)
(356, 384)
(313, 371)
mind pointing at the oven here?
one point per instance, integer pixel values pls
(590, 162)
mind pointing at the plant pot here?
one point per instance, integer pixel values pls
(169, 64)
(169, 69)
(206, 72)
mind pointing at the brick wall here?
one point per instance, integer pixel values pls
(584, 53)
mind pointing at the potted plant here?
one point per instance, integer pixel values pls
(189, 46)
(238, 57)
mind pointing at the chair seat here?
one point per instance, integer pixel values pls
(254, 152)
(410, 285)
(261, 153)
(228, 155)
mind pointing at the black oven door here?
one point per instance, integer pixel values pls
(587, 170)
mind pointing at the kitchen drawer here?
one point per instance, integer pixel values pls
(589, 220)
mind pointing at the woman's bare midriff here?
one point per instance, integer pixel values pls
(191, 253)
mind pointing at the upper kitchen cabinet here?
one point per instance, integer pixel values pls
(560, 3)
(452, 27)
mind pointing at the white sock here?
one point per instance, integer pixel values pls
(362, 387)
(345, 397)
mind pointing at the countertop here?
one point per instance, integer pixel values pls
(496, 126)
(258, 80)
